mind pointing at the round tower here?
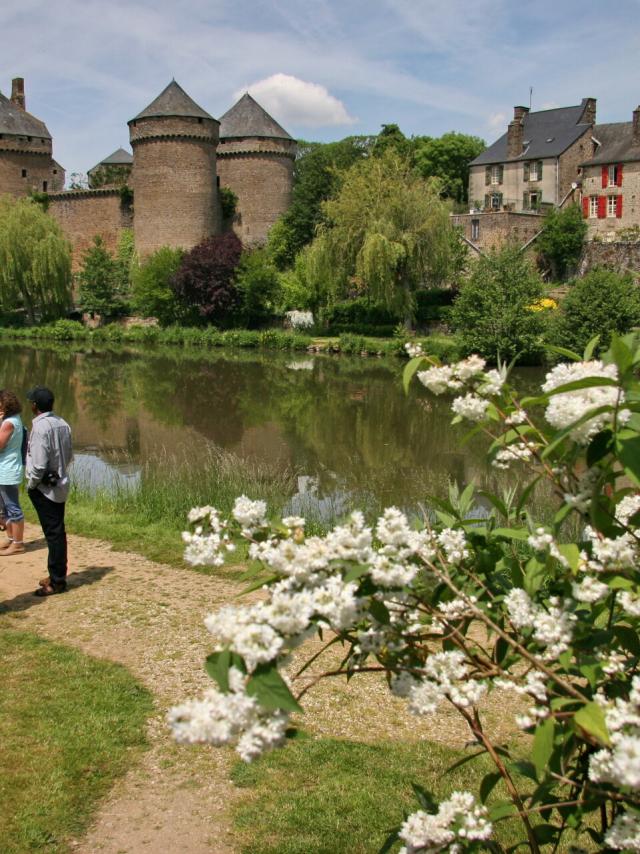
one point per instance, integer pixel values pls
(174, 173)
(255, 160)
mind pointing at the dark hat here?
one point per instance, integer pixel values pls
(43, 398)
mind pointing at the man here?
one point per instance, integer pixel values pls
(49, 455)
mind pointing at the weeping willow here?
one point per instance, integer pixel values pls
(35, 261)
(387, 226)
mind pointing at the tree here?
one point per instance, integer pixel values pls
(387, 227)
(391, 138)
(562, 240)
(109, 175)
(316, 175)
(152, 294)
(97, 279)
(492, 313)
(124, 261)
(448, 158)
(35, 261)
(204, 282)
(601, 303)
(257, 283)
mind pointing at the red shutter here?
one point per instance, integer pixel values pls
(605, 177)
(602, 207)
(585, 206)
(618, 206)
(619, 176)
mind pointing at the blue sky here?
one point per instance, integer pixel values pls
(323, 68)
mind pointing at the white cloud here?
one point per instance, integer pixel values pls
(497, 123)
(299, 102)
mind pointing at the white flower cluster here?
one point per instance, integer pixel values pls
(299, 319)
(620, 764)
(413, 350)
(458, 820)
(521, 451)
(206, 548)
(568, 407)
(470, 371)
(220, 719)
(471, 406)
(542, 541)
(552, 626)
(251, 515)
(446, 677)
(533, 686)
(624, 833)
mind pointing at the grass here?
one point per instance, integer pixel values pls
(69, 726)
(327, 796)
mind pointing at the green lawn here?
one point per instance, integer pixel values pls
(69, 725)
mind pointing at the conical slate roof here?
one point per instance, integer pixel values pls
(248, 118)
(18, 122)
(173, 101)
(120, 157)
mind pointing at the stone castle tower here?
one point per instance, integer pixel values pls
(174, 173)
(255, 160)
(26, 159)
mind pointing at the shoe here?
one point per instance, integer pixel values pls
(12, 549)
(50, 589)
(6, 545)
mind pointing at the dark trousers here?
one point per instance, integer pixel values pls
(51, 516)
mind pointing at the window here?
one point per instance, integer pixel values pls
(496, 175)
(534, 201)
(55, 171)
(475, 229)
(612, 174)
(612, 205)
(44, 186)
(593, 207)
(496, 200)
(24, 173)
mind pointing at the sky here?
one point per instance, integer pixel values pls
(323, 68)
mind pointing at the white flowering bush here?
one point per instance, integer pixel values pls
(299, 319)
(452, 610)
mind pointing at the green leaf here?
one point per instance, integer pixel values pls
(501, 809)
(270, 689)
(410, 368)
(488, 784)
(390, 841)
(600, 446)
(355, 572)
(586, 382)
(217, 666)
(425, 799)
(561, 435)
(543, 745)
(628, 639)
(464, 761)
(526, 494)
(571, 553)
(527, 769)
(590, 348)
(545, 834)
(562, 351)
(591, 719)
(380, 611)
(628, 448)
(511, 533)
(622, 355)
(258, 583)
(535, 572)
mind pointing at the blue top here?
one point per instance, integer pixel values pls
(11, 469)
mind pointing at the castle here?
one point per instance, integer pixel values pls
(182, 156)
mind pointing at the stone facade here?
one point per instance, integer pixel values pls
(607, 218)
(621, 256)
(491, 230)
(84, 213)
(260, 173)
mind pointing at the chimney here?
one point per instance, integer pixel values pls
(588, 111)
(636, 128)
(17, 92)
(515, 132)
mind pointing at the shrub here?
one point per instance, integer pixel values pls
(294, 292)
(65, 330)
(151, 291)
(205, 279)
(98, 279)
(124, 263)
(492, 314)
(228, 202)
(433, 305)
(601, 303)
(257, 284)
(359, 315)
(562, 240)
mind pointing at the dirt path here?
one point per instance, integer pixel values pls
(149, 617)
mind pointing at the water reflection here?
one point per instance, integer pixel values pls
(92, 473)
(344, 424)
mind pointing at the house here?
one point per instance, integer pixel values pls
(611, 179)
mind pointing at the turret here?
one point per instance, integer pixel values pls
(174, 172)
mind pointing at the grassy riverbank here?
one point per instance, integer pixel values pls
(69, 725)
(75, 334)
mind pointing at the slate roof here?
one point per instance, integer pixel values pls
(173, 101)
(616, 144)
(248, 118)
(15, 121)
(120, 157)
(547, 132)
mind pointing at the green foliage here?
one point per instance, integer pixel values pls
(35, 261)
(98, 280)
(53, 777)
(387, 227)
(151, 291)
(434, 305)
(41, 198)
(257, 283)
(492, 314)
(109, 175)
(126, 196)
(601, 303)
(448, 158)
(389, 139)
(124, 263)
(359, 315)
(228, 202)
(562, 240)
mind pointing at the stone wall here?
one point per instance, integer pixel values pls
(42, 173)
(498, 227)
(630, 192)
(260, 173)
(84, 213)
(619, 256)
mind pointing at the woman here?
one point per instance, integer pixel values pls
(11, 471)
